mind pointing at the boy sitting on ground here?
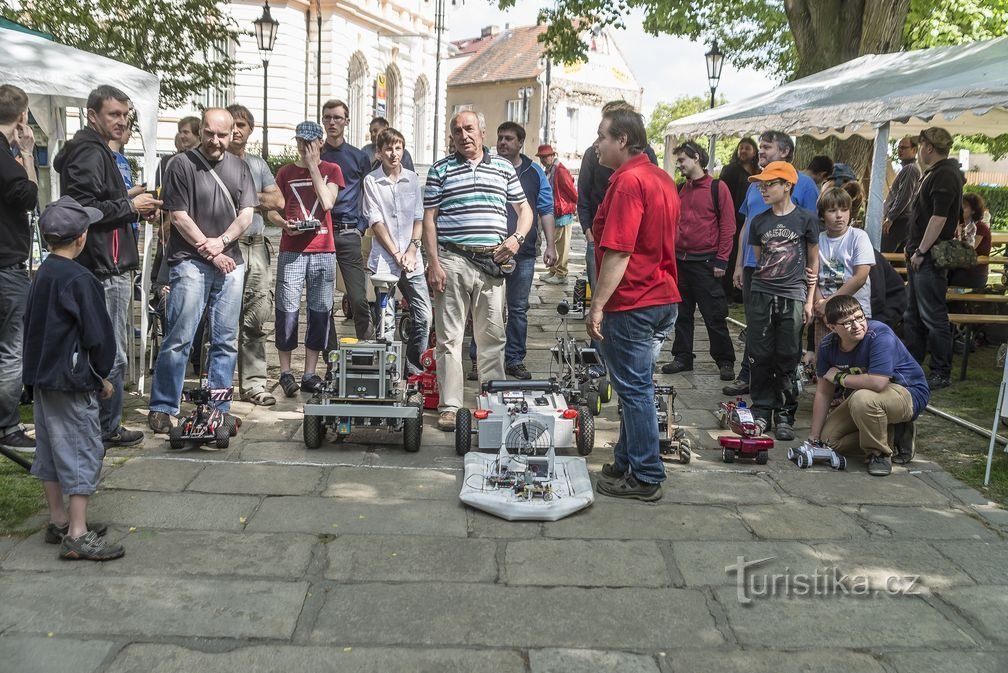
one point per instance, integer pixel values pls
(883, 386)
(69, 350)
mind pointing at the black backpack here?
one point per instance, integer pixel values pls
(715, 197)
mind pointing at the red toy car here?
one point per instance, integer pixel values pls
(738, 418)
(426, 382)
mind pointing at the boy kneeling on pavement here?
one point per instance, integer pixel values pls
(883, 387)
(69, 350)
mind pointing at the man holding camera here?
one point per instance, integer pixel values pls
(307, 255)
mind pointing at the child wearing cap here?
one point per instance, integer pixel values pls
(69, 350)
(785, 240)
(307, 255)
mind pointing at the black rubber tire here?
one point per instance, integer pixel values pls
(594, 403)
(313, 432)
(222, 436)
(347, 307)
(232, 423)
(605, 389)
(585, 431)
(463, 431)
(802, 461)
(413, 429)
(175, 440)
(762, 457)
(685, 451)
(728, 455)
(404, 328)
(842, 464)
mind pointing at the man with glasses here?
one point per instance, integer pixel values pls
(896, 209)
(934, 216)
(883, 389)
(348, 221)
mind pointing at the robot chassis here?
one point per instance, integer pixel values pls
(814, 451)
(206, 423)
(747, 443)
(673, 444)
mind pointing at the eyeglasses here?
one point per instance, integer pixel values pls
(854, 320)
(333, 118)
(770, 183)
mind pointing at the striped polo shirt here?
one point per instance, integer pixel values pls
(472, 198)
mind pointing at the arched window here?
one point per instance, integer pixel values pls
(393, 104)
(357, 99)
(420, 127)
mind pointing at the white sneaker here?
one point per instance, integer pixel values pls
(556, 280)
(545, 277)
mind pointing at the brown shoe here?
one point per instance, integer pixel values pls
(446, 421)
(159, 422)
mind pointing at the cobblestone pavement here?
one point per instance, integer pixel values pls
(359, 557)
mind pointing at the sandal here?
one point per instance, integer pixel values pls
(260, 398)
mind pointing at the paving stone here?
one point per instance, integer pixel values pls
(943, 662)
(258, 479)
(494, 615)
(769, 661)
(378, 483)
(626, 521)
(900, 563)
(986, 606)
(293, 451)
(589, 661)
(986, 562)
(143, 474)
(703, 563)
(483, 525)
(409, 558)
(993, 514)
(152, 607)
(28, 654)
(190, 511)
(702, 487)
(835, 621)
(7, 544)
(331, 659)
(172, 552)
(801, 521)
(336, 516)
(585, 563)
(855, 487)
(930, 523)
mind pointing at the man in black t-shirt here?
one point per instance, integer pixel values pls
(211, 197)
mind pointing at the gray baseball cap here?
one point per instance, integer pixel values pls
(309, 130)
(66, 219)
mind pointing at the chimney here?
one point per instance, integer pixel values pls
(489, 31)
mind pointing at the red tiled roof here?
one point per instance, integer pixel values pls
(513, 54)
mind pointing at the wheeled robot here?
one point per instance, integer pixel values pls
(426, 381)
(814, 451)
(582, 297)
(526, 417)
(365, 388)
(673, 444)
(748, 442)
(206, 423)
(576, 363)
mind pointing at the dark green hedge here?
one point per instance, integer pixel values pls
(996, 199)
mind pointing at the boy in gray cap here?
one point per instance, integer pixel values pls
(69, 350)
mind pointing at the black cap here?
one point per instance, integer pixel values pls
(65, 219)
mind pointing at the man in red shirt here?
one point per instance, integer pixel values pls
(634, 303)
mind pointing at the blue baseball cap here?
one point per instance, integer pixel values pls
(309, 130)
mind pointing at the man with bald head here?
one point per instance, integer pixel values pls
(210, 196)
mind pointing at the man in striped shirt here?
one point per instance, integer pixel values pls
(468, 251)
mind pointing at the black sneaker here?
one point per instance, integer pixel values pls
(726, 371)
(937, 382)
(122, 437)
(159, 422)
(629, 487)
(311, 384)
(879, 466)
(675, 367)
(904, 442)
(736, 388)
(54, 534)
(518, 371)
(90, 547)
(609, 471)
(18, 441)
(784, 432)
(473, 374)
(288, 384)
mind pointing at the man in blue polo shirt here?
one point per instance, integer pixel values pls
(348, 221)
(518, 284)
(468, 247)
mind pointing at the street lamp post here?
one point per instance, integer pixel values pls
(715, 59)
(266, 34)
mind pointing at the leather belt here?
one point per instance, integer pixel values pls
(252, 240)
(479, 249)
(344, 227)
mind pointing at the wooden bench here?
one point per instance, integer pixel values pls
(968, 320)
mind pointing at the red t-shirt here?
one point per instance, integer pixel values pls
(302, 203)
(640, 215)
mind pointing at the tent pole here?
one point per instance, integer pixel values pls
(876, 197)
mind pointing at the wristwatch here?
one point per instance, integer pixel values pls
(225, 239)
(416, 243)
(518, 237)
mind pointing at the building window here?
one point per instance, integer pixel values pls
(357, 100)
(515, 112)
(214, 96)
(393, 85)
(420, 119)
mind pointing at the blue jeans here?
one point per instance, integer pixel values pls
(592, 272)
(926, 323)
(631, 341)
(195, 284)
(13, 299)
(118, 302)
(517, 286)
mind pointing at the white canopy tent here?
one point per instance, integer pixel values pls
(56, 77)
(963, 89)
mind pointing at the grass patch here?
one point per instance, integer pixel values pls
(973, 474)
(20, 493)
(975, 398)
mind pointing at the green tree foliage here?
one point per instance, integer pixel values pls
(185, 42)
(684, 106)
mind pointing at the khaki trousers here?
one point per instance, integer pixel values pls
(256, 311)
(860, 425)
(467, 288)
(563, 241)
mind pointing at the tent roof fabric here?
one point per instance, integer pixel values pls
(962, 88)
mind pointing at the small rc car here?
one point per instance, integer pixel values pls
(426, 382)
(525, 417)
(578, 367)
(814, 451)
(673, 444)
(748, 443)
(206, 423)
